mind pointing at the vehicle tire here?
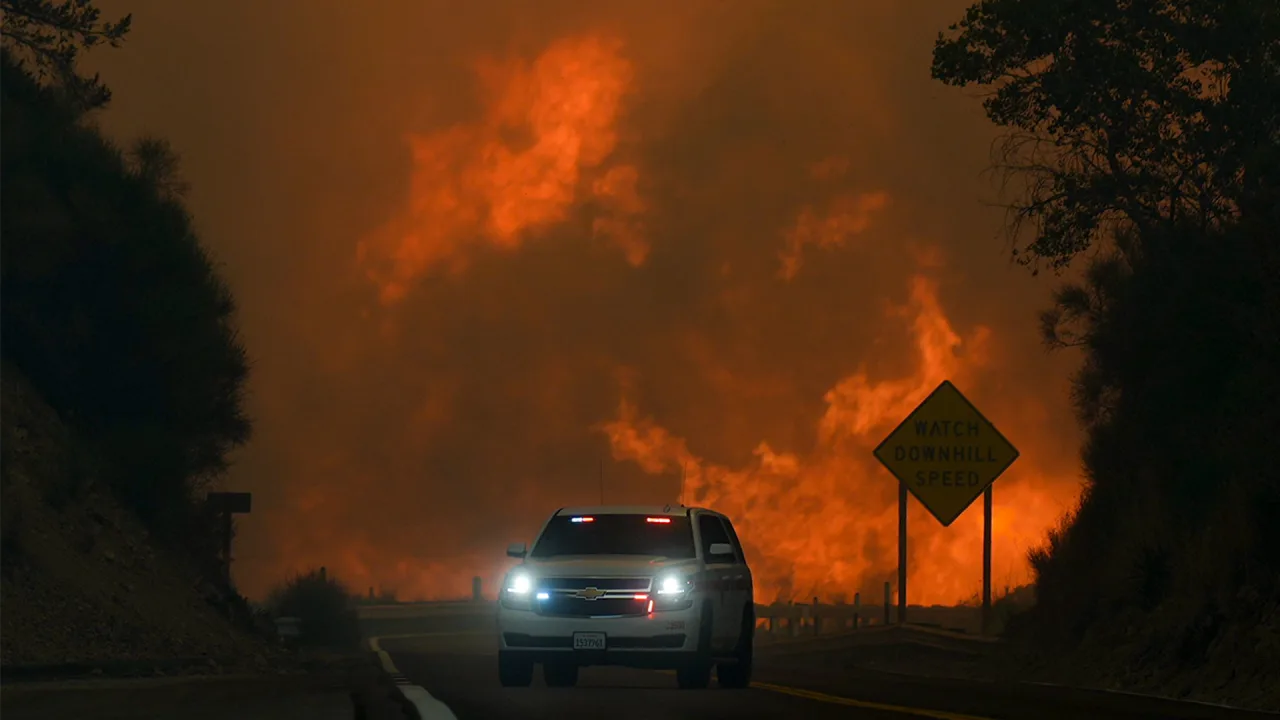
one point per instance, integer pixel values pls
(737, 674)
(514, 671)
(695, 674)
(560, 674)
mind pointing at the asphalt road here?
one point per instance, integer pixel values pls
(460, 670)
(451, 653)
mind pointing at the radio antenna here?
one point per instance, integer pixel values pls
(682, 482)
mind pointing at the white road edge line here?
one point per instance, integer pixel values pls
(428, 708)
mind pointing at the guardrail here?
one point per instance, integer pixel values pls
(791, 619)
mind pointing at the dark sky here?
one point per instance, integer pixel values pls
(485, 250)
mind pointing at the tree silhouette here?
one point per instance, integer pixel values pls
(1147, 114)
(52, 34)
(112, 307)
(1150, 133)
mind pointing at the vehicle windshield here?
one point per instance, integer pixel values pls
(660, 536)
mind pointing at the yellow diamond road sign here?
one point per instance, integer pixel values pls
(946, 453)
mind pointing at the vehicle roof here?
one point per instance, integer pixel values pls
(656, 510)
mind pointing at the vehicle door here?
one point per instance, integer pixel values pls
(739, 594)
(719, 571)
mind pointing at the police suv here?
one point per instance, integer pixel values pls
(653, 587)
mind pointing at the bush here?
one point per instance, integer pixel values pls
(324, 605)
(111, 306)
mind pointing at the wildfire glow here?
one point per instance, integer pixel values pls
(544, 156)
(827, 524)
(549, 127)
(847, 215)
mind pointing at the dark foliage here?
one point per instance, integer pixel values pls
(1150, 131)
(323, 604)
(111, 306)
(1125, 113)
(52, 34)
(1178, 393)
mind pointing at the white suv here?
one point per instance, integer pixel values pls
(653, 587)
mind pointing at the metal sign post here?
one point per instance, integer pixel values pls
(226, 504)
(946, 453)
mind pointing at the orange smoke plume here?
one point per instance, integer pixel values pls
(547, 127)
(827, 524)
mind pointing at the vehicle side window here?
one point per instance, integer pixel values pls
(712, 531)
(739, 556)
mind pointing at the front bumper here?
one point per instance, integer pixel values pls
(662, 639)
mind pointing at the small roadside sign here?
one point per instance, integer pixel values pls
(946, 453)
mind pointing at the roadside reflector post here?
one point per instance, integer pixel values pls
(288, 629)
(902, 553)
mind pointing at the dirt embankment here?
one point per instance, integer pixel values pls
(83, 583)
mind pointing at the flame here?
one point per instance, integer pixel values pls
(547, 127)
(847, 215)
(827, 524)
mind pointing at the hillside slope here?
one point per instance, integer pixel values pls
(82, 582)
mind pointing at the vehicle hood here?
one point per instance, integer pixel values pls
(607, 565)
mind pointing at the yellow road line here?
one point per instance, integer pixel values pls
(837, 700)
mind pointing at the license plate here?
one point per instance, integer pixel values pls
(588, 641)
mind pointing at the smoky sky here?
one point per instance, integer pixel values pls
(552, 258)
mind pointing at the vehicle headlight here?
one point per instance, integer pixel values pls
(671, 585)
(520, 584)
(517, 589)
(673, 592)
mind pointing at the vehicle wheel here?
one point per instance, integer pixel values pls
(560, 674)
(737, 674)
(514, 671)
(696, 673)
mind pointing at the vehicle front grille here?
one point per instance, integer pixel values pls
(567, 605)
(592, 596)
(579, 583)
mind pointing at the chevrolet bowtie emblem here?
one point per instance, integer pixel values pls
(589, 593)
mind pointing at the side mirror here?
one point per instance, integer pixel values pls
(719, 549)
(518, 551)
